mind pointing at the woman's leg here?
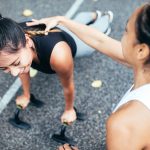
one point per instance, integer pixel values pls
(86, 17)
(102, 24)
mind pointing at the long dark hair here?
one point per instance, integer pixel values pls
(143, 26)
(12, 36)
(33, 30)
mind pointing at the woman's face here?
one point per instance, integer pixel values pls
(16, 63)
(129, 41)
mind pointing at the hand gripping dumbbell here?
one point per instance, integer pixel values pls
(61, 137)
(16, 121)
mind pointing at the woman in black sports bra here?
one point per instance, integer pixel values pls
(22, 47)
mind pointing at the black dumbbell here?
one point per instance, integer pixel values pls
(17, 122)
(80, 116)
(61, 137)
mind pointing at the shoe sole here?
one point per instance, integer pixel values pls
(111, 16)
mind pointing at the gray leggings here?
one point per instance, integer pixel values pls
(101, 24)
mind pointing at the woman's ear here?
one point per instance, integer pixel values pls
(143, 51)
(28, 41)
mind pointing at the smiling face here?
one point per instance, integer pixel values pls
(15, 48)
(134, 51)
(16, 63)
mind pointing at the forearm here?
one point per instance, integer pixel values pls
(95, 39)
(25, 80)
(69, 96)
(88, 34)
(67, 82)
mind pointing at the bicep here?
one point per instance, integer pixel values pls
(62, 62)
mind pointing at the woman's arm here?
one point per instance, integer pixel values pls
(95, 39)
(89, 35)
(62, 62)
(25, 79)
(24, 99)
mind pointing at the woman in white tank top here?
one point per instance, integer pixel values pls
(128, 128)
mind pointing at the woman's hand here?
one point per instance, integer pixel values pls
(22, 101)
(69, 116)
(49, 22)
(67, 147)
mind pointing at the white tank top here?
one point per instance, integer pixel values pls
(141, 94)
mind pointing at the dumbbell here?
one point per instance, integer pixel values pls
(16, 121)
(61, 137)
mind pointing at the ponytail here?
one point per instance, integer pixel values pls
(33, 30)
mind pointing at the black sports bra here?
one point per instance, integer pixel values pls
(44, 45)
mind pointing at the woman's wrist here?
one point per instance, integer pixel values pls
(69, 107)
(61, 20)
(27, 95)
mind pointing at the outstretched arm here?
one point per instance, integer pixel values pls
(89, 35)
(95, 39)
(62, 62)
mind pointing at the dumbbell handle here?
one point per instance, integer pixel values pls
(17, 112)
(63, 129)
(65, 124)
